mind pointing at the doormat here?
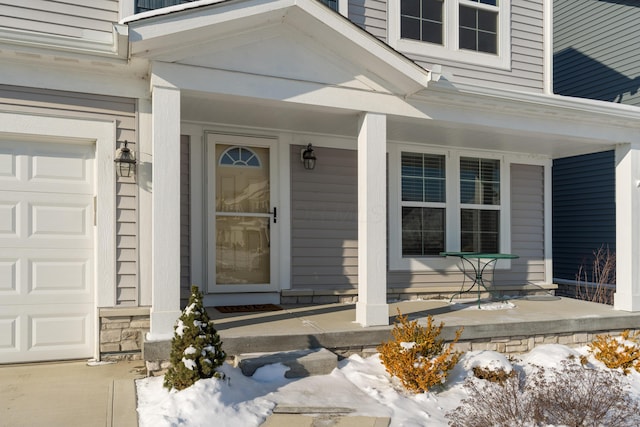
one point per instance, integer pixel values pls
(250, 308)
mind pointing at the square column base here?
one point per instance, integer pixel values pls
(625, 302)
(372, 314)
(162, 325)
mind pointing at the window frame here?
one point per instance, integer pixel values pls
(452, 206)
(450, 50)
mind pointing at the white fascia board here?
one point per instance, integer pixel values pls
(545, 104)
(120, 80)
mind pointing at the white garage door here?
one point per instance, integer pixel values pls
(46, 251)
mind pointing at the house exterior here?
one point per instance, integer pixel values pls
(434, 128)
(595, 57)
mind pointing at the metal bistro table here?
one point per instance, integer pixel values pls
(474, 259)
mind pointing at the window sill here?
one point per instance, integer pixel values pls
(430, 50)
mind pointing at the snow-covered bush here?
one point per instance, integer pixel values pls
(196, 349)
(417, 356)
(571, 395)
(621, 352)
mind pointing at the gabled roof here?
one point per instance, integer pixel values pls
(214, 34)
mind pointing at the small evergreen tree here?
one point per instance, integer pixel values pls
(196, 349)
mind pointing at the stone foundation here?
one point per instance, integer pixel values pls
(509, 346)
(122, 332)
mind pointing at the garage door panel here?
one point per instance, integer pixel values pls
(9, 271)
(34, 166)
(46, 220)
(47, 332)
(61, 220)
(41, 276)
(9, 333)
(8, 218)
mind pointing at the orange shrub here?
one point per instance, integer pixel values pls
(417, 356)
(618, 352)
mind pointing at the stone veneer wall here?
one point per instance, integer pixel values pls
(122, 332)
(510, 346)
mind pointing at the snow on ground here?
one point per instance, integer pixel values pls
(357, 383)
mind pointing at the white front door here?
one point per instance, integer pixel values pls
(242, 214)
(47, 308)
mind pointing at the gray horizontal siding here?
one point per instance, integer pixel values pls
(596, 50)
(526, 68)
(325, 227)
(527, 225)
(370, 15)
(67, 104)
(584, 216)
(90, 19)
(324, 221)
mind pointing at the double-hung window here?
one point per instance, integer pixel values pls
(423, 204)
(446, 201)
(479, 205)
(476, 31)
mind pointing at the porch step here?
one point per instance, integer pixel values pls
(301, 363)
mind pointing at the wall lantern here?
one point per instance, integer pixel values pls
(308, 157)
(125, 161)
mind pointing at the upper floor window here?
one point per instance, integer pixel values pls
(475, 31)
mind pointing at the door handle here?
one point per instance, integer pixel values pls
(275, 214)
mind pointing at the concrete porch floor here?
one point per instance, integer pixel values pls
(332, 326)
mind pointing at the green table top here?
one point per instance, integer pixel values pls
(480, 255)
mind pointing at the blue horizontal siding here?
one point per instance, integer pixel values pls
(584, 216)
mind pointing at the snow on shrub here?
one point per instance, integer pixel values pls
(416, 356)
(196, 349)
(622, 352)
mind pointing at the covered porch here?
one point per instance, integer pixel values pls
(514, 326)
(353, 93)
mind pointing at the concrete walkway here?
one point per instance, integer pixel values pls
(67, 394)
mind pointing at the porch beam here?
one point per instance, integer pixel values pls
(165, 227)
(627, 296)
(372, 308)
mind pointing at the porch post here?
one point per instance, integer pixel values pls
(165, 223)
(372, 308)
(627, 296)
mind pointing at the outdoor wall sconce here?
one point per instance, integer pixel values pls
(125, 161)
(308, 157)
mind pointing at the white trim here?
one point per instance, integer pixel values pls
(343, 8)
(449, 50)
(143, 170)
(547, 37)
(396, 261)
(627, 295)
(197, 204)
(372, 308)
(284, 210)
(165, 224)
(548, 222)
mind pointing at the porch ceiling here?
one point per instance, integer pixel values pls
(271, 115)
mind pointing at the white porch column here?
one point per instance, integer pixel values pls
(165, 227)
(627, 296)
(372, 308)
